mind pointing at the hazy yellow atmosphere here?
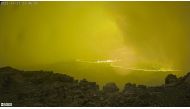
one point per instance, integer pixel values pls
(122, 42)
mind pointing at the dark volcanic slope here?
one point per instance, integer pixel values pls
(42, 88)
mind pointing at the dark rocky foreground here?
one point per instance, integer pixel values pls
(42, 88)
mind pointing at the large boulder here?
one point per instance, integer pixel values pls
(187, 78)
(110, 88)
(171, 80)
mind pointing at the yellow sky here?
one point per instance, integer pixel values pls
(138, 35)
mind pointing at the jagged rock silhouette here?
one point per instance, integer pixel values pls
(44, 88)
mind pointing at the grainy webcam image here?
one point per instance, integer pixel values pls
(95, 54)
